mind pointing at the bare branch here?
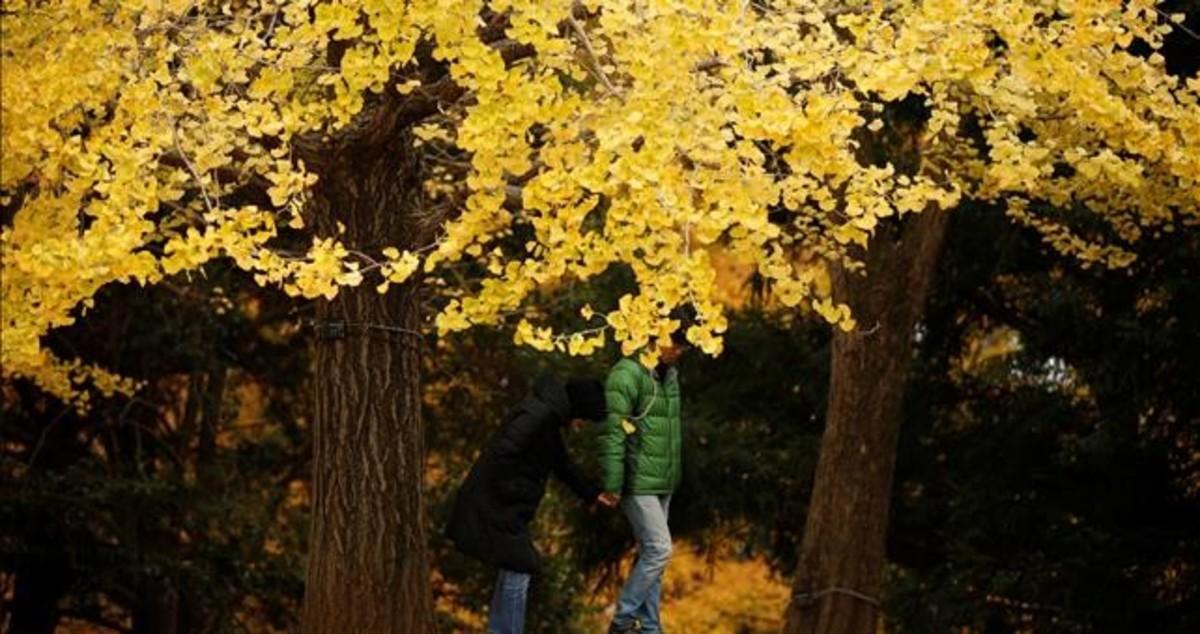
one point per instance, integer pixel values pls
(587, 45)
(191, 168)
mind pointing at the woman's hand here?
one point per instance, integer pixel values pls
(609, 500)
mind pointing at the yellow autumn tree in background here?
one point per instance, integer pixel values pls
(548, 142)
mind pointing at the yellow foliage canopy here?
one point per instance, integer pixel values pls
(636, 133)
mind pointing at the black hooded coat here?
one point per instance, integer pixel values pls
(493, 508)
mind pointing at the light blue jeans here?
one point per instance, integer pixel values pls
(508, 603)
(640, 598)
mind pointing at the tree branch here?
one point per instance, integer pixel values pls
(587, 45)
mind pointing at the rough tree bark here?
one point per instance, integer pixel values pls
(368, 569)
(842, 553)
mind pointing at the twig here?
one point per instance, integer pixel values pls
(805, 599)
(709, 64)
(370, 260)
(587, 45)
(191, 168)
(870, 331)
(1179, 25)
(582, 333)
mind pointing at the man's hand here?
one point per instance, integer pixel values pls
(609, 500)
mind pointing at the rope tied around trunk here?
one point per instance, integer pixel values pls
(805, 600)
(341, 329)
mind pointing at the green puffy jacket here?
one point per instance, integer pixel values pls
(643, 456)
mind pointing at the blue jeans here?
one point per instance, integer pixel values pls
(508, 603)
(640, 598)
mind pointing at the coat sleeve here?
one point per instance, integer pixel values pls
(621, 396)
(517, 434)
(569, 473)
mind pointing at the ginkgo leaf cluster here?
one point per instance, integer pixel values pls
(642, 134)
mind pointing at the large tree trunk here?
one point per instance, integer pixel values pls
(368, 569)
(842, 556)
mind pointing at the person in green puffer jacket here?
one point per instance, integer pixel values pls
(641, 460)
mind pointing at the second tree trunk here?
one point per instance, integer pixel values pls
(842, 554)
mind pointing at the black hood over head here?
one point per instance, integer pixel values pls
(551, 393)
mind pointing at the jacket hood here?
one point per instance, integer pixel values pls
(552, 393)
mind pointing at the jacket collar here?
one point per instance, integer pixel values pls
(653, 373)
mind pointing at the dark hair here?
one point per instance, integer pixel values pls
(685, 314)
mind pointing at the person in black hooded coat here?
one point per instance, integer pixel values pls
(497, 501)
